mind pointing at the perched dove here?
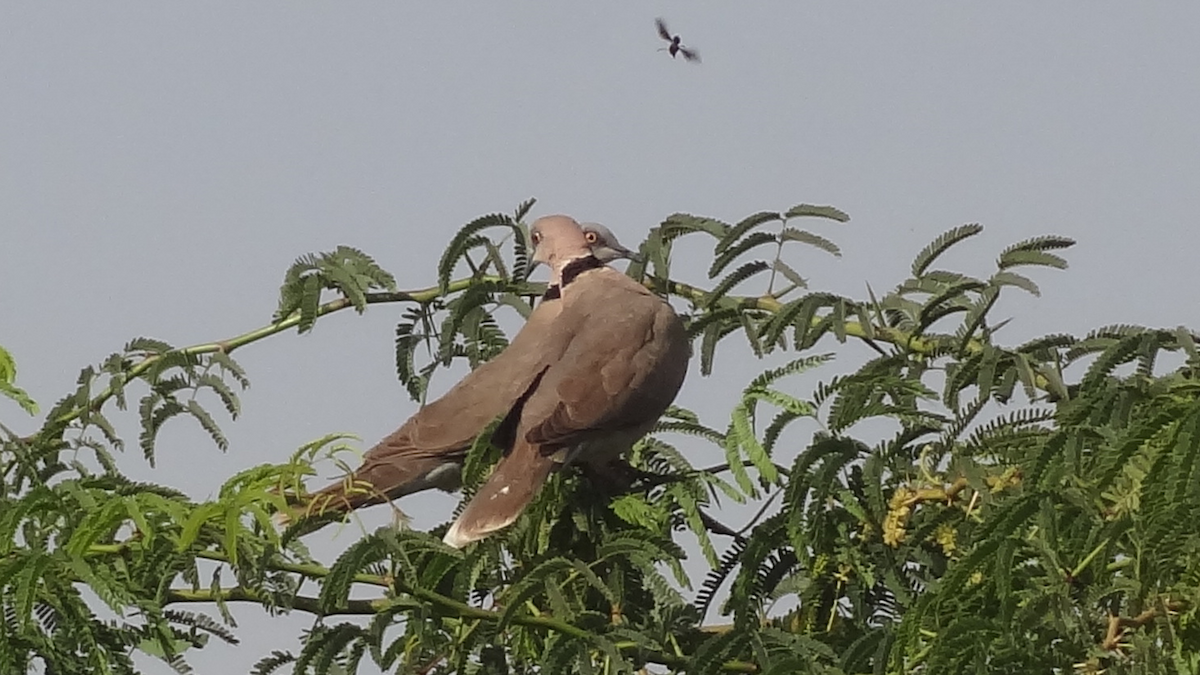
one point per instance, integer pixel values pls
(429, 449)
(605, 370)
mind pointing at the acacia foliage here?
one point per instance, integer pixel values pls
(1026, 508)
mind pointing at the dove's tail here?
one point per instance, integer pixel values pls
(504, 495)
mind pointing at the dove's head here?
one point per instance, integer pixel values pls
(557, 240)
(604, 244)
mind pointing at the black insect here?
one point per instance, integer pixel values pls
(675, 48)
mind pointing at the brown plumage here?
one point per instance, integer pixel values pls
(429, 449)
(612, 362)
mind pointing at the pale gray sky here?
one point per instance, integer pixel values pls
(162, 165)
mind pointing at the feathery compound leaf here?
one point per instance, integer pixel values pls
(1112, 463)
(530, 584)
(460, 243)
(1044, 243)
(353, 273)
(815, 240)
(226, 363)
(206, 421)
(733, 279)
(952, 299)
(310, 302)
(145, 345)
(789, 274)
(153, 417)
(19, 396)
(939, 246)
(750, 329)
(521, 265)
(1186, 454)
(346, 270)
(806, 210)
(1021, 257)
(203, 623)
(345, 281)
(678, 224)
(1117, 330)
(708, 347)
(730, 254)
(733, 443)
(1123, 351)
(524, 208)
(742, 426)
(407, 341)
(743, 227)
(370, 275)
(1013, 279)
(798, 365)
(1047, 343)
(8, 367)
(223, 391)
(335, 589)
(788, 315)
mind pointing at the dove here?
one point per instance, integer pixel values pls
(596, 378)
(428, 450)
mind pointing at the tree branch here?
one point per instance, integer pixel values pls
(299, 602)
(228, 345)
(447, 604)
(692, 293)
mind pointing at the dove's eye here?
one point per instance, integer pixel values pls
(536, 237)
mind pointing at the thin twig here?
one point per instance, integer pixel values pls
(717, 527)
(719, 468)
(761, 511)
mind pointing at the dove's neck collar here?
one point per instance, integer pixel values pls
(574, 268)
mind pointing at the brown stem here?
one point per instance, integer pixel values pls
(1119, 625)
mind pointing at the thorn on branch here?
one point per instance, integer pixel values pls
(1120, 626)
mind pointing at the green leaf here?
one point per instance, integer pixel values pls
(461, 241)
(335, 588)
(744, 435)
(807, 210)
(19, 396)
(310, 303)
(749, 223)
(1019, 257)
(733, 458)
(817, 241)
(529, 585)
(206, 421)
(633, 509)
(8, 367)
(723, 259)
(1043, 243)
(938, 246)
(789, 273)
(1014, 279)
(524, 208)
(145, 346)
(678, 224)
(733, 279)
